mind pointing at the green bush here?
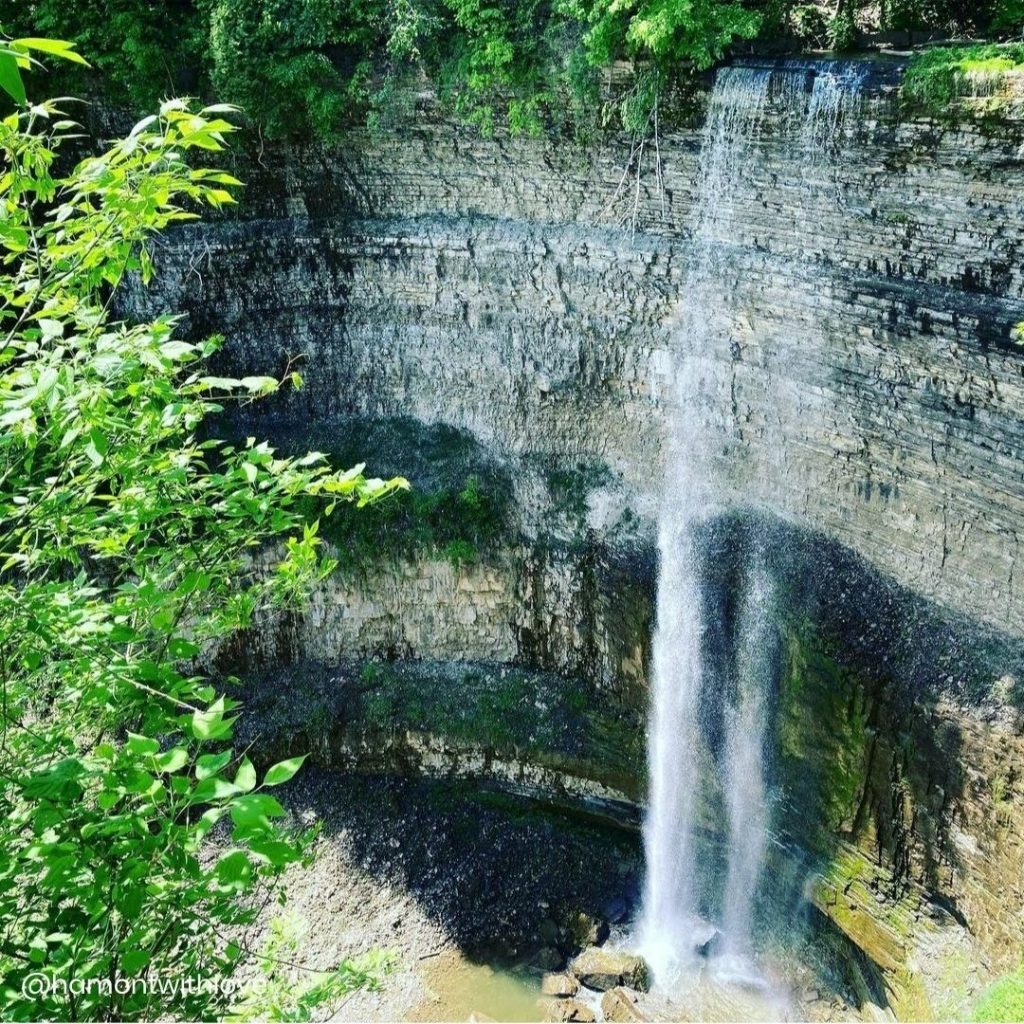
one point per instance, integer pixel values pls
(457, 522)
(296, 65)
(1009, 17)
(306, 67)
(951, 17)
(810, 25)
(143, 51)
(127, 540)
(842, 30)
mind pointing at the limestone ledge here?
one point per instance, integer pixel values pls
(577, 787)
(563, 611)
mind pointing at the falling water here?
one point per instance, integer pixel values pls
(668, 933)
(835, 95)
(681, 763)
(744, 759)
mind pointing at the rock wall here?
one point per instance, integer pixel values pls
(493, 284)
(571, 612)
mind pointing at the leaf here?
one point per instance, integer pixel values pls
(211, 723)
(107, 799)
(213, 788)
(50, 328)
(172, 760)
(208, 820)
(283, 771)
(141, 745)
(234, 870)
(133, 961)
(255, 809)
(274, 851)
(181, 648)
(245, 778)
(259, 385)
(10, 78)
(169, 106)
(210, 764)
(142, 125)
(177, 350)
(55, 47)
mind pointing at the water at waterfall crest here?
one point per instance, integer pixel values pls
(686, 693)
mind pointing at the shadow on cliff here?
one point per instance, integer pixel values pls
(870, 683)
(505, 878)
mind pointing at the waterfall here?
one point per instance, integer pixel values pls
(745, 752)
(682, 765)
(835, 95)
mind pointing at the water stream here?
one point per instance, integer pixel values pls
(687, 692)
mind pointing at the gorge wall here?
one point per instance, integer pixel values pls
(523, 291)
(491, 284)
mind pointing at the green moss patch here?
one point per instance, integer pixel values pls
(823, 737)
(937, 79)
(1002, 1001)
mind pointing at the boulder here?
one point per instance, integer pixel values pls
(616, 910)
(710, 945)
(585, 929)
(563, 986)
(569, 1010)
(602, 969)
(619, 1005)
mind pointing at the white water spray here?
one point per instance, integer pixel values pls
(680, 762)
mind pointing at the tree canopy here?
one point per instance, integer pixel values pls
(306, 67)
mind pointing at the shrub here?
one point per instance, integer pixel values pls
(126, 543)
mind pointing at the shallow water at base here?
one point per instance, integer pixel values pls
(460, 989)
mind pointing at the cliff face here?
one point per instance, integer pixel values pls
(868, 401)
(491, 283)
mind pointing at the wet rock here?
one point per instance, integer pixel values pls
(583, 930)
(562, 986)
(616, 910)
(569, 1010)
(602, 969)
(710, 943)
(619, 1005)
(548, 959)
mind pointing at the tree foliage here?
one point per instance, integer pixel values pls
(306, 67)
(696, 32)
(126, 547)
(302, 66)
